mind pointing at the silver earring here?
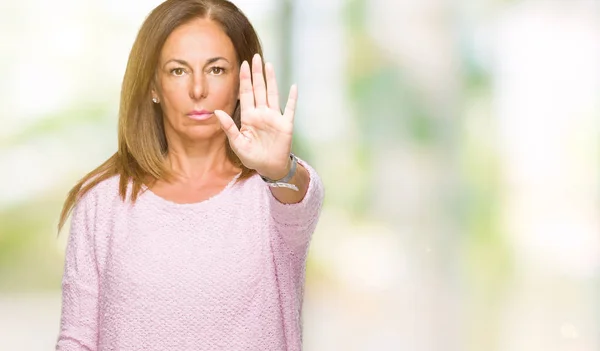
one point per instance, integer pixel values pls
(155, 100)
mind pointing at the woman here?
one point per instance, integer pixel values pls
(193, 236)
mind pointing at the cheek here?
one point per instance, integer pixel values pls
(225, 90)
(174, 97)
(174, 89)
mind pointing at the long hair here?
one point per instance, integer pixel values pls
(142, 144)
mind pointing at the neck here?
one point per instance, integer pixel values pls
(197, 160)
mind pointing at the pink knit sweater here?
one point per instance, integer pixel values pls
(223, 274)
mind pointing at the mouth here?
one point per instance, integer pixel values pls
(200, 115)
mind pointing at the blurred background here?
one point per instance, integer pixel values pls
(458, 142)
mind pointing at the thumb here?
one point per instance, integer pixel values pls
(227, 124)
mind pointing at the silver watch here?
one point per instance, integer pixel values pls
(283, 182)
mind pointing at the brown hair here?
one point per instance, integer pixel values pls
(142, 144)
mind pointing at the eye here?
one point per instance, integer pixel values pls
(217, 71)
(177, 72)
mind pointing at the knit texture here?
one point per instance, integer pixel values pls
(223, 274)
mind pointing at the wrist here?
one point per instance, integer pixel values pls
(285, 181)
(280, 174)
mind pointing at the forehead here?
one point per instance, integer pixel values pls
(198, 40)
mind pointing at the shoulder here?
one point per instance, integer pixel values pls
(98, 206)
(105, 192)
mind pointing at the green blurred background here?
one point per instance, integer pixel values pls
(458, 142)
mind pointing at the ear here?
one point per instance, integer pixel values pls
(154, 88)
(154, 92)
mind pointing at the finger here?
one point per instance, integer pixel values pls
(258, 82)
(272, 91)
(290, 107)
(246, 93)
(228, 126)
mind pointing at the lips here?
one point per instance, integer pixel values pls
(200, 115)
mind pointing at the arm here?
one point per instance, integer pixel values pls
(295, 213)
(79, 317)
(301, 180)
(263, 143)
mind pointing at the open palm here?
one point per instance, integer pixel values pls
(264, 140)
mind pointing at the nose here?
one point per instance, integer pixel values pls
(199, 88)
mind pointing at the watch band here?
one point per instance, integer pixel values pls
(283, 182)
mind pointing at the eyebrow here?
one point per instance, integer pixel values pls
(208, 62)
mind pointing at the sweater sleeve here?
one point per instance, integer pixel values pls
(295, 223)
(79, 317)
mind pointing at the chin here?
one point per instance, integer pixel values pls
(203, 132)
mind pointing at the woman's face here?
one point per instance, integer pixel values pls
(198, 73)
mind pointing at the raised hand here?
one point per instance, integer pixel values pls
(264, 140)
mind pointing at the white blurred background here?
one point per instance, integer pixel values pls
(458, 142)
